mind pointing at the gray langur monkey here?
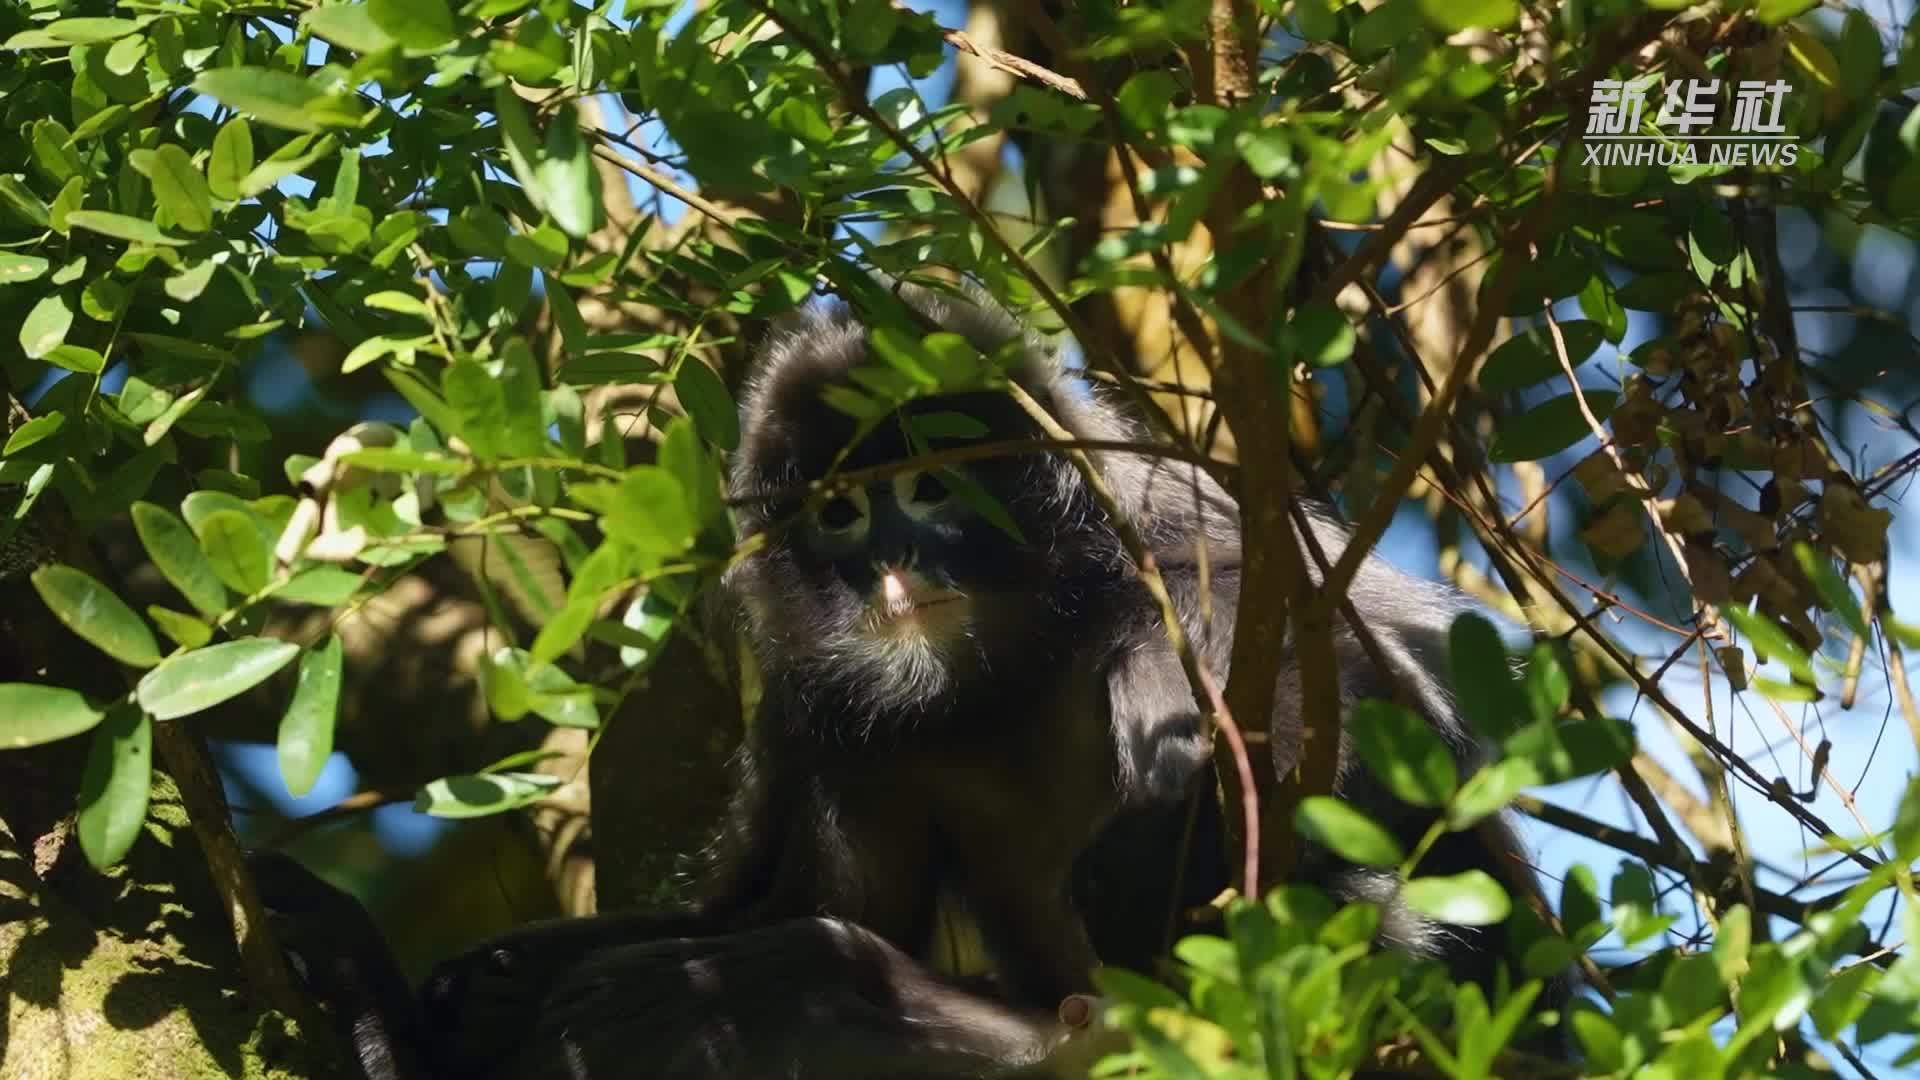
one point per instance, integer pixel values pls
(966, 720)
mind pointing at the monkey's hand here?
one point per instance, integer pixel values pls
(341, 959)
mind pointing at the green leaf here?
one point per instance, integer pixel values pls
(557, 175)
(1320, 335)
(1545, 683)
(479, 401)
(1559, 751)
(180, 189)
(1487, 792)
(232, 157)
(1731, 942)
(236, 550)
(707, 402)
(46, 326)
(482, 794)
(1451, 15)
(15, 269)
(33, 431)
(646, 510)
(417, 24)
(1775, 12)
(397, 459)
(400, 303)
(569, 187)
(683, 455)
(23, 200)
(326, 586)
(1385, 26)
(1483, 681)
(1403, 751)
(649, 622)
(31, 714)
(1550, 427)
(1834, 594)
(76, 358)
(1784, 691)
(175, 551)
(306, 731)
(1347, 832)
(1529, 358)
(190, 682)
(350, 26)
(1771, 641)
(565, 628)
(1470, 899)
(114, 786)
(275, 97)
(188, 631)
(90, 31)
(121, 227)
(91, 610)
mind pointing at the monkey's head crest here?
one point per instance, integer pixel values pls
(902, 562)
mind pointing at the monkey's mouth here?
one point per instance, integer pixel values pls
(905, 597)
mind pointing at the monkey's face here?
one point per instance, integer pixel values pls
(909, 585)
(895, 594)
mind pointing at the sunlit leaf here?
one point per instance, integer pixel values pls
(91, 610)
(197, 680)
(276, 97)
(482, 794)
(31, 714)
(121, 227)
(1472, 898)
(236, 550)
(1347, 832)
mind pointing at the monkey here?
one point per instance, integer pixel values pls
(972, 716)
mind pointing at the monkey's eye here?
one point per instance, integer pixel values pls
(843, 512)
(920, 493)
(928, 488)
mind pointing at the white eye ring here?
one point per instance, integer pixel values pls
(921, 494)
(843, 513)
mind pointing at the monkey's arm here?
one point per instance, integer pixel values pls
(804, 998)
(338, 954)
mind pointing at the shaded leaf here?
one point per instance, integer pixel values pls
(1550, 427)
(306, 731)
(279, 98)
(1403, 751)
(114, 786)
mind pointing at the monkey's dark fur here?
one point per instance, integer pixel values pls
(953, 721)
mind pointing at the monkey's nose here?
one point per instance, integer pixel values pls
(896, 592)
